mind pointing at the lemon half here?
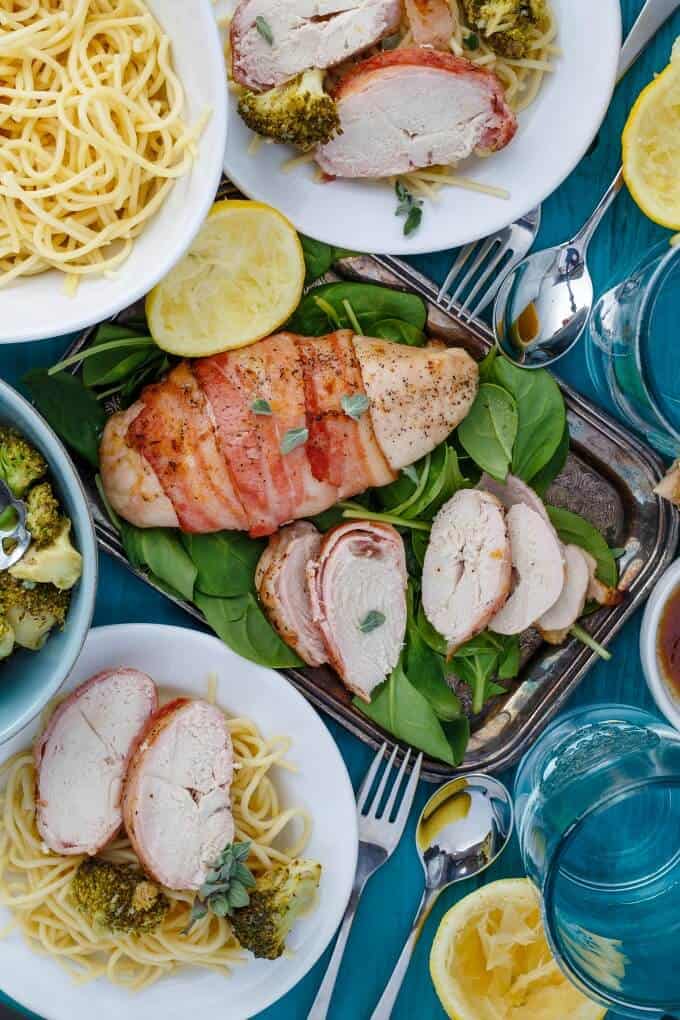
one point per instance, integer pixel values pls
(651, 147)
(490, 960)
(241, 279)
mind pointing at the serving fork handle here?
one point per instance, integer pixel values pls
(322, 1002)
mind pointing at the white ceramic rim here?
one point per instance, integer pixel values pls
(666, 701)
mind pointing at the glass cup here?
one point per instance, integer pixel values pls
(633, 351)
(597, 803)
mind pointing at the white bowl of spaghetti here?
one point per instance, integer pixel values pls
(290, 795)
(113, 126)
(560, 93)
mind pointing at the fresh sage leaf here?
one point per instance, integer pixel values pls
(575, 530)
(71, 409)
(264, 28)
(355, 404)
(371, 621)
(489, 431)
(294, 438)
(261, 406)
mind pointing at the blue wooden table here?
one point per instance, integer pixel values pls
(392, 896)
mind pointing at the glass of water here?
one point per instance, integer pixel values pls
(597, 803)
(633, 347)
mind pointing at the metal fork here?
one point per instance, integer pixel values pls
(489, 259)
(378, 839)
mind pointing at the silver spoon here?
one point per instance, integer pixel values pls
(13, 533)
(463, 828)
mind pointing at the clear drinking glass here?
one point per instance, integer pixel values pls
(597, 803)
(633, 348)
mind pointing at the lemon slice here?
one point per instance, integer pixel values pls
(651, 147)
(490, 960)
(241, 279)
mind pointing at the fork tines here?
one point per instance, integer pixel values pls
(376, 821)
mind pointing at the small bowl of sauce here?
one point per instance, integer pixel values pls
(660, 644)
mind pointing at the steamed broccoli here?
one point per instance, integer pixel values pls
(32, 610)
(20, 463)
(57, 563)
(43, 514)
(299, 112)
(278, 899)
(6, 638)
(118, 897)
(506, 25)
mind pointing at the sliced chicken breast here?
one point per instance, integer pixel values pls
(538, 571)
(563, 614)
(177, 804)
(598, 591)
(358, 588)
(283, 586)
(412, 108)
(514, 491)
(82, 757)
(304, 34)
(418, 395)
(431, 22)
(466, 573)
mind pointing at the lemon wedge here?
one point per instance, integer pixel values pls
(651, 147)
(490, 960)
(241, 279)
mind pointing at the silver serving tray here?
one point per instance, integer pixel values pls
(609, 479)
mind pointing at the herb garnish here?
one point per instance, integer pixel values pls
(372, 621)
(409, 207)
(261, 406)
(226, 885)
(355, 404)
(294, 438)
(471, 41)
(263, 27)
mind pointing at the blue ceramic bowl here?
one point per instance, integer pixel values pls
(28, 680)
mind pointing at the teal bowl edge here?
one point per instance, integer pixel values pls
(29, 680)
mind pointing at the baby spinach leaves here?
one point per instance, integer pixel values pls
(489, 431)
(225, 562)
(541, 416)
(242, 625)
(72, 410)
(575, 530)
(159, 552)
(370, 303)
(482, 659)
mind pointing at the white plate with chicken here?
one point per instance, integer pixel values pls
(170, 772)
(404, 127)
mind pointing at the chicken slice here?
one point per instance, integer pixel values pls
(417, 395)
(555, 623)
(431, 22)
(304, 34)
(177, 804)
(132, 486)
(538, 570)
(513, 491)
(82, 757)
(413, 108)
(283, 586)
(358, 588)
(342, 449)
(467, 572)
(598, 591)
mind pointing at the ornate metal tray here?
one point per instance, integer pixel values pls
(608, 478)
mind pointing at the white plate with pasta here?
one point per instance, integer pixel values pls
(302, 792)
(560, 92)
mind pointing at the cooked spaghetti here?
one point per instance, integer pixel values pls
(35, 883)
(91, 133)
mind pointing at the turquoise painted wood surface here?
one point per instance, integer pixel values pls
(391, 898)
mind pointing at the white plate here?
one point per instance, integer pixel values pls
(553, 135)
(36, 307)
(180, 660)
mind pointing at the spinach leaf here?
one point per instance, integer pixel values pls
(318, 258)
(444, 479)
(114, 366)
(488, 432)
(242, 625)
(429, 635)
(542, 481)
(542, 416)
(419, 544)
(576, 530)
(399, 331)
(486, 366)
(425, 670)
(225, 562)
(71, 409)
(370, 303)
(477, 672)
(404, 712)
(481, 659)
(160, 551)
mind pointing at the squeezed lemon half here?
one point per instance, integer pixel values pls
(241, 279)
(651, 147)
(490, 960)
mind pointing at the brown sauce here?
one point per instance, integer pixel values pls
(668, 641)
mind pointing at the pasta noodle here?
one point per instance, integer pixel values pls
(91, 133)
(34, 883)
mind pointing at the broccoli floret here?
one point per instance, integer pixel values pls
(20, 463)
(6, 638)
(299, 112)
(278, 899)
(57, 563)
(118, 897)
(44, 519)
(506, 25)
(32, 610)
